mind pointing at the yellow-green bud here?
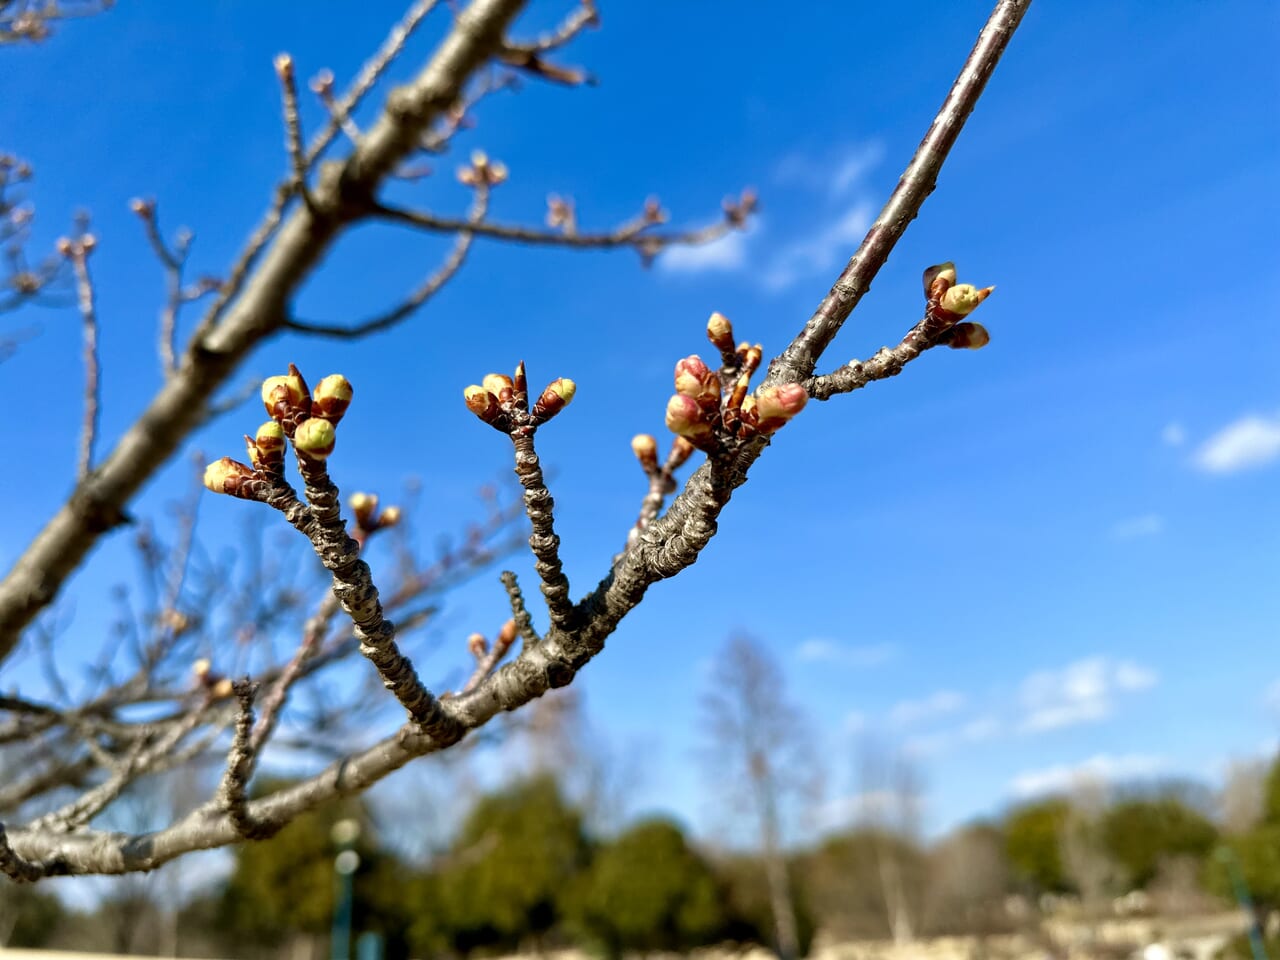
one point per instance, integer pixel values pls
(945, 272)
(294, 392)
(482, 403)
(553, 399)
(389, 517)
(225, 475)
(968, 336)
(315, 438)
(331, 398)
(500, 385)
(963, 298)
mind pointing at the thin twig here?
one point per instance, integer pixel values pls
(232, 794)
(797, 362)
(293, 127)
(78, 251)
(428, 289)
(519, 613)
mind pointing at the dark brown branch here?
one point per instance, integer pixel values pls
(524, 623)
(797, 362)
(543, 540)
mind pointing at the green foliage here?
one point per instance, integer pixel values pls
(1271, 795)
(1256, 855)
(647, 891)
(29, 917)
(504, 879)
(287, 884)
(1139, 833)
(1033, 843)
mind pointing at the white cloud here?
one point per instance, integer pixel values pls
(1106, 768)
(835, 175)
(1146, 525)
(938, 704)
(725, 255)
(1248, 442)
(1173, 435)
(821, 650)
(1081, 692)
(820, 251)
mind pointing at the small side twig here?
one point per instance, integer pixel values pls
(293, 127)
(519, 613)
(77, 251)
(232, 793)
(488, 659)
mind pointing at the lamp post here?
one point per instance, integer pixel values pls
(345, 833)
(1227, 857)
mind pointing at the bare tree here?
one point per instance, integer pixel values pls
(759, 749)
(892, 795)
(333, 182)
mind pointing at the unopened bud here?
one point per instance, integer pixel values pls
(482, 403)
(645, 447)
(968, 336)
(226, 475)
(363, 506)
(694, 378)
(142, 208)
(778, 404)
(681, 451)
(963, 298)
(284, 66)
(315, 438)
(266, 449)
(944, 272)
(389, 517)
(201, 668)
(223, 688)
(331, 398)
(553, 399)
(720, 332)
(685, 418)
(478, 645)
(291, 389)
(500, 385)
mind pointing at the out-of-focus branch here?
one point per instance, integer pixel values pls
(29, 20)
(77, 251)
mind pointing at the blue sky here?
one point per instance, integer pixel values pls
(1056, 554)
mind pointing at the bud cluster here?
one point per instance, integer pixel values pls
(364, 506)
(948, 304)
(503, 402)
(710, 411)
(308, 418)
(482, 171)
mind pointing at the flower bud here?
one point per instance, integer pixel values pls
(750, 357)
(691, 376)
(226, 476)
(943, 274)
(291, 389)
(553, 399)
(482, 403)
(363, 505)
(315, 438)
(506, 634)
(645, 447)
(963, 298)
(223, 688)
(478, 645)
(968, 336)
(389, 517)
(720, 332)
(681, 451)
(201, 668)
(685, 418)
(331, 397)
(778, 404)
(266, 449)
(499, 385)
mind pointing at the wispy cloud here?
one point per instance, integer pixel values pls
(1146, 525)
(725, 255)
(821, 650)
(1106, 768)
(819, 251)
(939, 704)
(1251, 441)
(835, 175)
(977, 730)
(1081, 692)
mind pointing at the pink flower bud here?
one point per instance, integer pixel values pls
(685, 418)
(778, 404)
(645, 447)
(691, 376)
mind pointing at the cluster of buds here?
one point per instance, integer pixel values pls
(503, 402)
(561, 214)
(710, 411)
(308, 418)
(215, 685)
(364, 507)
(948, 305)
(76, 248)
(482, 171)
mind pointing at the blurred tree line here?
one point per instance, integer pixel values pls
(523, 871)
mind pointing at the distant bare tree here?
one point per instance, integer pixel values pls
(891, 795)
(759, 751)
(1084, 854)
(1242, 800)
